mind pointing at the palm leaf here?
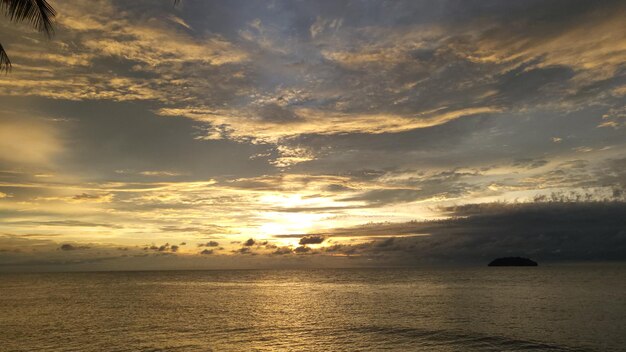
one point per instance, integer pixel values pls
(37, 12)
(5, 63)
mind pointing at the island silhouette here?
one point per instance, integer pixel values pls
(512, 261)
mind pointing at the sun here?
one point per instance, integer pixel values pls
(281, 223)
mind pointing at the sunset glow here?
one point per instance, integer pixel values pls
(142, 126)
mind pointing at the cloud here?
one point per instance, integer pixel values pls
(70, 247)
(387, 196)
(277, 114)
(164, 248)
(615, 117)
(311, 239)
(244, 127)
(563, 42)
(530, 163)
(90, 40)
(283, 251)
(209, 244)
(302, 249)
(243, 250)
(207, 252)
(407, 186)
(159, 173)
(65, 223)
(87, 197)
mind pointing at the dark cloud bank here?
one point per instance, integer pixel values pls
(476, 233)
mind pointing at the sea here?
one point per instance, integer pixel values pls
(545, 308)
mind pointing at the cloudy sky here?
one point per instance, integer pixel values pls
(246, 133)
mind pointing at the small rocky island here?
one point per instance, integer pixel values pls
(512, 261)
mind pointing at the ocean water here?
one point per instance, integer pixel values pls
(567, 308)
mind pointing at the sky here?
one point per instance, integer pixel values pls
(237, 134)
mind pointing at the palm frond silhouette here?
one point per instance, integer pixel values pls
(38, 13)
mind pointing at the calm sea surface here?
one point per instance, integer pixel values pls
(567, 308)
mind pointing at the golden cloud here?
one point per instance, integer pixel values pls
(246, 126)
